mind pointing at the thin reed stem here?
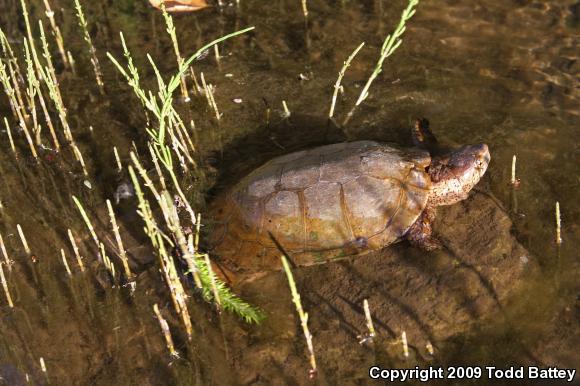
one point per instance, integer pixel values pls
(369, 319)
(166, 332)
(65, 262)
(31, 91)
(513, 179)
(76, 251)
(14, 74)
(213, 281)
(57, 34)
(405, 344)
(117, 159)
(107, 262)
(304, 8)
(171, 32)
(208, 88)
(7, 260)
(87, 221)
(340, 76)
(5, 286)
(287, 112)
(9, 132)
(122, 253)
(92, 51)
(30, 39)
(390, 45)
(16, 106)
(558, 225)
(303, 315)
(23, 239)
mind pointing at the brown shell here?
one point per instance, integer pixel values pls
(320, 204)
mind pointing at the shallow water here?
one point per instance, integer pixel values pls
(500, 72)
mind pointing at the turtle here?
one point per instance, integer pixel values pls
(321, 204)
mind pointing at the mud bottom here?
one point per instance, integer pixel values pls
(430, 296)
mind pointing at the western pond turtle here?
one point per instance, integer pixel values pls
(337, 200)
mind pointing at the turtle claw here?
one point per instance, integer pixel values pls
(420, 233)
(429, 244)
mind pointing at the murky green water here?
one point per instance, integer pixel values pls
(499, 72)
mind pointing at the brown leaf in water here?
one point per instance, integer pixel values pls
(180, 5)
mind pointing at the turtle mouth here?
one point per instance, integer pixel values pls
(469, 159)
(482, 158)
(455, 175)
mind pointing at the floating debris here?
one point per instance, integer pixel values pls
(179, 5)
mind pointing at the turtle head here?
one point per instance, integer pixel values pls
(453, 175)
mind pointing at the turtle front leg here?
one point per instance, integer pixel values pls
(420, 233)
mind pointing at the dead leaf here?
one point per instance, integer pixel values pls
(180, 5)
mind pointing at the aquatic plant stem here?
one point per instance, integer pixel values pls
(14, 71)
(166, 261)
(513, 179)
(9, 133)
(92, 51)
(208, 91)
(5, 286)
(117, 159)
(52, 72)
(57, 34)
(43, 368)
(166, 332)
(30, 39)
(51, 81)
(87, 221)
(76, 251)
(107, 262)
(17, 108)
(369, 319)
(23, 239)
(340, 76)
(287, 112)
(31, 91)
(171, 32)
(122, 253)
(303, 315)
(391, 43)
(405, 344)
(228, 300)
(213, 281)
(7, 260)
(65, 262)
(558, 225)
(160, 104)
